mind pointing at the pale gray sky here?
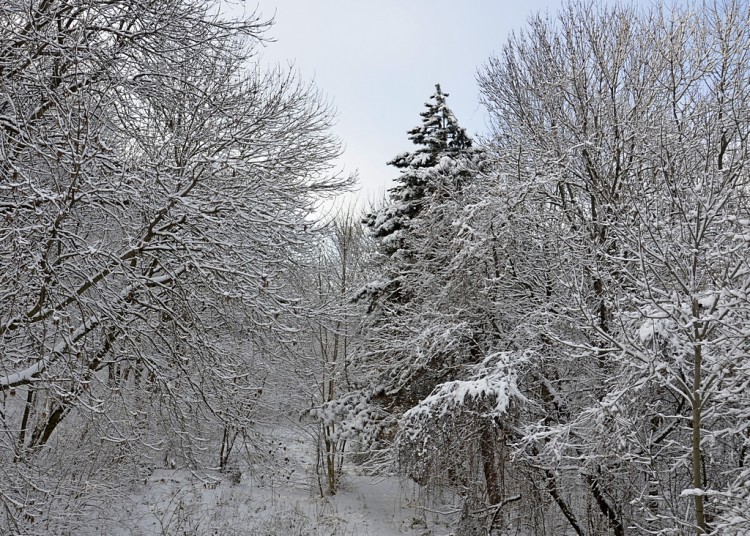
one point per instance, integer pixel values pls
(379, 61)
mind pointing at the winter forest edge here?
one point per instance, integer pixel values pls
(545, 331)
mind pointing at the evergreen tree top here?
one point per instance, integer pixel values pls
(439, 141)
(438, 135)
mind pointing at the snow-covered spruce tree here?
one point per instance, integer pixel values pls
(436, 168)
(628, 129)
(437, 137)
(434, 336)
(154, 186)
(430, 177)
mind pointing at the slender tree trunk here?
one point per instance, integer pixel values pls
(700, 519)
(330, 458)
(609, 512)
(560, 502)
(224, 450)
(487, 447)
(24, 424)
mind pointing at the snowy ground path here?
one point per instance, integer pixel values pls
(287, 502)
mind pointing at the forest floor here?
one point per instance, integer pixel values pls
(284, 502)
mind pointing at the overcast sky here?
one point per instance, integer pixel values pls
(378, 62)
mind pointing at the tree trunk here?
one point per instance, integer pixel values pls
(695, 399)
(487, 448)
(606, 508)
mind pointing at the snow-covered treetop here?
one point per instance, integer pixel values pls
(438, 135)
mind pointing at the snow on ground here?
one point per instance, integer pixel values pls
(286, 502)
